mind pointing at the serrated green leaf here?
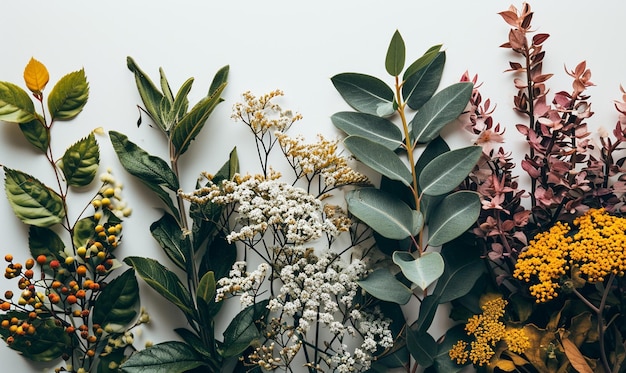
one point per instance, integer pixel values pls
(118, 304)
(36, 133)
(422, 85)
(394, 61)
(84, 230)
(220, 78)
(80, 162)
(164, 281)
(422, 347)
(192, 123)
(149, 93)
(48, 344)
(242, 331)
(365, 93)
(383, 285)
(441, 109)
(69, 96)
(422, 271)
(384, 213)
(377, 129)
(15, 104)
(444, 173)
(455, 215)
(167, 232)
(379, 158)
(32, 202)
(166, 357)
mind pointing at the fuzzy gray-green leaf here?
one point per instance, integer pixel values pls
(365, 93)
(444, 173)
(375, 128)
(422, 271)
(385, 214)
(379, 158)
(383, 285)
(455, 215)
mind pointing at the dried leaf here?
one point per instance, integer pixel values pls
(36, 76)
(540, 38)
(575, 357)
(509, 17)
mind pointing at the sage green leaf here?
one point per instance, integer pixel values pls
(36, 133)
(181, 103)
(118, 304)
(455, 215)
(166, 357)
(69, 96)
(422, 62)
(150, 94)
(50, 342)
(422, 347)
(206, 288)
(384, 213)
(164, 281)
(80, 161)
(165, 87)
(435, 148)
(365, 93)
(32, 202)
(444, 107)
(422, 271)
(444, 173)
(423, 84)
(169, 235)
(192, 123)
(394, 61)
(372, 127)
(242, 331)
(15, 104)
(84, 231)
(379, 158)
(463, 268)
(383, 285)
(220, 78)
(428, 308)
(44, 241)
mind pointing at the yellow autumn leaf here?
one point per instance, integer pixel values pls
(36, 76)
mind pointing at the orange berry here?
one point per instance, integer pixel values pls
(42, 259)
(81, 270)
(10, 339)
(8, 294)
(30, 263)
(84, 313)
(91, 353)
(5, 324)
(101, 269)
(54, 298)
(56, 284)
(31, 330)
(92, 339)
(29, 273)
(5, 306)
(71, 299)
(55, 264)
(80, 294)
(8, 258)
(70, 329)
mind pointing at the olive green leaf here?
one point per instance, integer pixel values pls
(80, 161)
(169, 235)
(242, 330)
(394, 61)
(421, 271)
(118, 304)
(383, 285)
(50, 342)
(180, 104)
(84, 230)
(150, 94)
(422, 347)
(192, 123)
(456, 214)
(32, 202)
(166, 357)
(365, 93)
(221, 77)
(441, 109)
(15, 104)
(36, 133)
(372, 127)
(379, 158)
(422, 85)
(444, 173)
(164, 281)
(69, 96)
(44, 241)
(206, 288)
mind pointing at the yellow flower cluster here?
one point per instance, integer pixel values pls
(596, 250)
(488, 330)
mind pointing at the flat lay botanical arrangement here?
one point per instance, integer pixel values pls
(336, 252)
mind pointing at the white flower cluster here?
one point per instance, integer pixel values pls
(261, 115)
(239, 282)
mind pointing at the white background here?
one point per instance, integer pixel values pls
(294, 46)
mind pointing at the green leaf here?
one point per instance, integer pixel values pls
(69, 96)
(435, 148)
(243, 331)
(36, 133)
(48, 344)
(422, 271)
(394, 61)
(116, 307)
(219, 257)
(192, 123)
(80, 162)
(384, 213)
(84, 230)
(199, 346)
(365, 93)
(442, 362)
(422, 347)
(15, 104)
(422, 62)
(32, 202)
(428, 308)
(455, 215)
(372, 127)
(44, 241)
(220, 78)
(166, 357)
(206, 288)
(181, 103)
(383, 285)
(463, 268)
(441, 109)
(164, 281)
(444, 173)
(117, 356)
(379, 158)
(150, 94)
(165, 87)
(422, 85)
(169, 235)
